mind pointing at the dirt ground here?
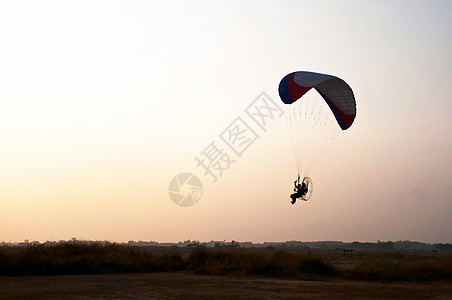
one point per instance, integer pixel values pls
(183, 285)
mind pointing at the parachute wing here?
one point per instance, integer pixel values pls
(335, 91)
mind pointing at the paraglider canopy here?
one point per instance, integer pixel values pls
(320, 107)
(335, 91)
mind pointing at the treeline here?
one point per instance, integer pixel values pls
(398, 245)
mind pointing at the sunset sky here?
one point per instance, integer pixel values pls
(103, 103)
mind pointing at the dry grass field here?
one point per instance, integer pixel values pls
(184, 285)
(121, 272)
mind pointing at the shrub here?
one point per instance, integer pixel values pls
(84, 258)
(401, 269)
(256, 262)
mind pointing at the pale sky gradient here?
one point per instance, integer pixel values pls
(102, 103)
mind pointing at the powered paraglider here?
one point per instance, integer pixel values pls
(319, 107)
